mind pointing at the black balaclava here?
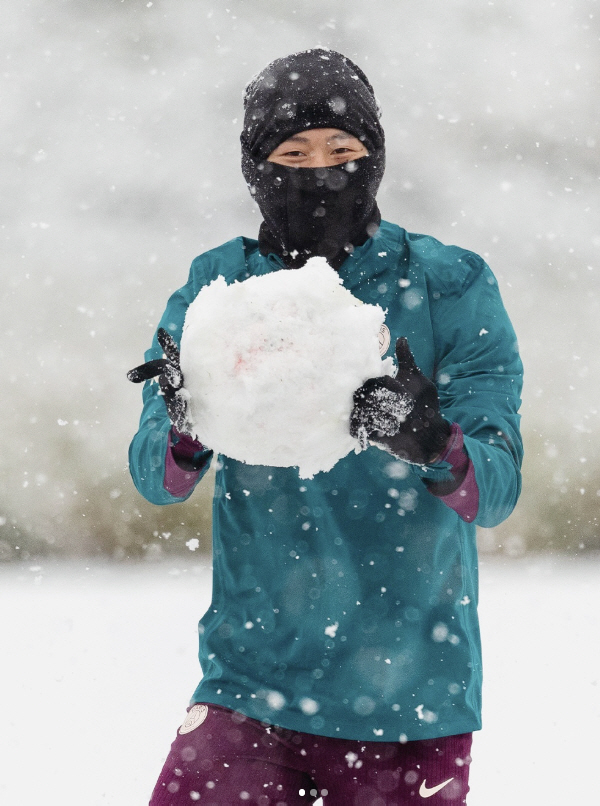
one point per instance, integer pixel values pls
(312, 211)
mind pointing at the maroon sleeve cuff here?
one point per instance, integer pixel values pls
(464, 499)
(180, 481)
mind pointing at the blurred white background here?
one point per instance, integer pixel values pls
(120, 163)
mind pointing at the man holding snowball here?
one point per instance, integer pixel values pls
(340, 655)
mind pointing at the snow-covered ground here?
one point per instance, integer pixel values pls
(98, 661)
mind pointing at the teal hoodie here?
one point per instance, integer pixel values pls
(346, 605)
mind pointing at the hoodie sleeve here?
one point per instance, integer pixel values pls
(152, 463)
(479, 378)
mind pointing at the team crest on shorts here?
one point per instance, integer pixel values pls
(384, 339)
(194, 718)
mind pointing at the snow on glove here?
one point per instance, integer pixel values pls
(401, 414)
(170, 379)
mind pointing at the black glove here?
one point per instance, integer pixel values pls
(401, 414)
(170, 379)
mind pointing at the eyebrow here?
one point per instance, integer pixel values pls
(298, 138)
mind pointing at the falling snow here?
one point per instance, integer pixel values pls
(110, 198)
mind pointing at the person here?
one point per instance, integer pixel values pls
(341, 652)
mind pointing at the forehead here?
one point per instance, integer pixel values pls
(310, 135)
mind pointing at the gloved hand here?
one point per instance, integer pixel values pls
(401, 414)
(170, 379)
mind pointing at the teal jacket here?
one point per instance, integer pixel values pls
(346, 605)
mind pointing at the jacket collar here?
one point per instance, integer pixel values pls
(374, 257)
(368, 261)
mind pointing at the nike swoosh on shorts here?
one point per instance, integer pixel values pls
(426, 792)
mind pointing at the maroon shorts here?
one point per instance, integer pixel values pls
(222, 758)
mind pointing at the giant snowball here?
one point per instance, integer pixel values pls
(271, 364)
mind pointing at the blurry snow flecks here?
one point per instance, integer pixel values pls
(121, 164)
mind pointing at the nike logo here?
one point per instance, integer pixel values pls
(426, 792)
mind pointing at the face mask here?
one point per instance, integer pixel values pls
(316, 211)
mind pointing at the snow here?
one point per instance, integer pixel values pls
(264, 357)
(99, 661)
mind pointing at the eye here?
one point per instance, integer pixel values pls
(290, 154)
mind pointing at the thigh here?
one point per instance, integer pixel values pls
(220, 758)
(433, 772)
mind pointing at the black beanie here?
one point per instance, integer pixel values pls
(313, 89)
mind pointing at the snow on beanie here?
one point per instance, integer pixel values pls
(313, 89)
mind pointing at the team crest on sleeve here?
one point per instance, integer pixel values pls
(194, 718)
(384, 339)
